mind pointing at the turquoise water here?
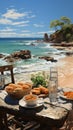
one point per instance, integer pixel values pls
(8, 46)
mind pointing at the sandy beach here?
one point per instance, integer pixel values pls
(65, 73)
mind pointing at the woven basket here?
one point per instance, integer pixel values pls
(19, 94)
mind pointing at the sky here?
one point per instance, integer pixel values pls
(31, 18)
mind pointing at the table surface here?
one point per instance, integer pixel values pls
(49, 112)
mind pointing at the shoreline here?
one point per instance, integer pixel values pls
(65, 73)
(64, 66)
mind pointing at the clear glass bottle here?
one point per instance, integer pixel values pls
(53, 91)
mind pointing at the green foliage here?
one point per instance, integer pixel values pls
(39, 79)
(60, 23)
(65, 20)
(65, 28)
(68, 35)
(54, 24)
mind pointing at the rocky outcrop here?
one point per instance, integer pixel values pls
(23, 54)
(63, 35)
(48, 58)
(46, 39)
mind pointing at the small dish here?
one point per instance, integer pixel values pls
(39, 103)
(64, 97)
(30, 99)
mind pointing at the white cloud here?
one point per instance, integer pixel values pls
(8, 34)
(48, 32)
(38, 25)
(22, 23)
(13, 14)
(5, 21)
(7, 30)
(10, 22)
(25, 31)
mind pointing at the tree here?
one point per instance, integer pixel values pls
(64, 29)
(55, 24)
(65, 20)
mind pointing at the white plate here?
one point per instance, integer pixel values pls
(22, 103)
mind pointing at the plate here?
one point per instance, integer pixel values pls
(64, 97)
(39, 104)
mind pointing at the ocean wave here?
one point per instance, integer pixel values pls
(2, 62)
(41, 65)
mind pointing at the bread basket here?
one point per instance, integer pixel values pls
(18, 91)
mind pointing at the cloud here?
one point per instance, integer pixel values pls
(25, 31)
(38, 25)
(48, 32)
(7, 29)
(14, 34)
(10, 22)
(22, 23)
(13, 14)
(5, 21)
(8, 34)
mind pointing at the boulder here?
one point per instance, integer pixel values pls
(22, 54)
(48, 58)
(69, 53)
(1, 55)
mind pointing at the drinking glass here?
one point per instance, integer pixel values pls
(53, 90)
(2, 81)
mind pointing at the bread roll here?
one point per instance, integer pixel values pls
(21, 83)
(34, 91)
(18, 89)
(13, 85)
(43, 90)
(29, 84)
(9, 89)
(25, 87)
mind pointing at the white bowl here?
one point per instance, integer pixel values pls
(30, 99)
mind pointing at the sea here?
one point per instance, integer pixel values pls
(36, 46)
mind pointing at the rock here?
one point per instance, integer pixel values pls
(69, 53)
(47, 58)
(46, 39)
(67, 44)
(1, 55)
(23, 54)
(9, 59)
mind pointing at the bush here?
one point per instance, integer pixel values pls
(39, 79)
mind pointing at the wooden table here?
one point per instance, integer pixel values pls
(42, 115)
